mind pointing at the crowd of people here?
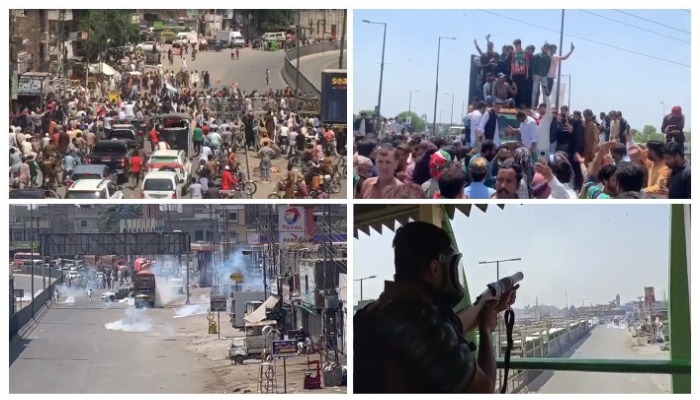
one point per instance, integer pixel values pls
(585, 156)
(50, 136)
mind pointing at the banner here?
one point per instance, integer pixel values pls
(292, 225)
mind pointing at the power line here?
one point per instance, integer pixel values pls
(652, 21)
(589, 40)
(634, 26)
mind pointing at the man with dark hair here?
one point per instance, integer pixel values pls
(657, 171)
(508, 180)
(673, 124)
(606, 186)
(451, 183)
(410, 340)
(630, 180)
(519, 73)
(679, 182)
(557, 173)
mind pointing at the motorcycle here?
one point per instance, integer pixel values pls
(284, 144)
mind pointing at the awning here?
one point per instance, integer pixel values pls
(103, 68)
(260, 313)
(307, 308)
(379, 216)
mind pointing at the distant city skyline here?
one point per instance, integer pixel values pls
(569, 252)
(606, 69)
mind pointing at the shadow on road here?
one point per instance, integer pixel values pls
(544, 376)
(17, 346)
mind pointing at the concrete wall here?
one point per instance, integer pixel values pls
(19, 319)
(289, 71)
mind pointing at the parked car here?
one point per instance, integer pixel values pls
(123, 292)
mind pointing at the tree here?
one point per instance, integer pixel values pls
(105, 28)
(273, 20)
(110, 216)
(648, 133)
(416, 121)
(368, 112)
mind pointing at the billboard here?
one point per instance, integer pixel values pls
(292, 224)
(649, 297)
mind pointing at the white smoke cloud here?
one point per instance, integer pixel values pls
(67, 295)
(134, 320)
(240, 263)
(190, 310)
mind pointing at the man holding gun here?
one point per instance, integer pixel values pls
(410, 340)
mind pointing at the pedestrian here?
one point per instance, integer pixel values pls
(266, 154)
(238, 54)
(267, 76)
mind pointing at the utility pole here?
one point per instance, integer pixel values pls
(298, 48)
(561, 45)
(342, 38)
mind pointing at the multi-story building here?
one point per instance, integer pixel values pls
(27, 224)
(322, 24)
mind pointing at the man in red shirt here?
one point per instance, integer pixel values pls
(153, 135)
(227, 181)
(136, 163)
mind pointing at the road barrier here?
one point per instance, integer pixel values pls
(20, 318)
(289, 71)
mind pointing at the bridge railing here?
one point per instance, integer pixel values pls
(20, 318)
(290, 72)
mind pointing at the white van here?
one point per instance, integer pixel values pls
(186, 38)
(278, 37)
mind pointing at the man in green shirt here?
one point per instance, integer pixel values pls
(540, 68)
(198, 138)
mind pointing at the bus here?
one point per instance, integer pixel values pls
(21, 259)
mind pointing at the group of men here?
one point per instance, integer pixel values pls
(586, 159)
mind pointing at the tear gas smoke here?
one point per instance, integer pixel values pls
(190, 310)
(69, 294)
(237, 262)
(134, 320)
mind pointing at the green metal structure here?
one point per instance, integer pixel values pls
(381, 217)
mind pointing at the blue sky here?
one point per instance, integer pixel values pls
(603, 78)
(594, 251)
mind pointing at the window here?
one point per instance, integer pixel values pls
(306, 284)
(199, 235)
(83, 224)
(233, 216)
(210, 236)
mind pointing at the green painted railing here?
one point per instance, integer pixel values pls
(597, 365)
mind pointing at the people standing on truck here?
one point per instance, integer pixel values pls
(554, 65)
(519, 72)
(672, 126)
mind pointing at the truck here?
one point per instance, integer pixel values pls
(230, 38)
(334, 96)
(144, 289)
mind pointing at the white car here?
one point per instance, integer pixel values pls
(162, 185)
(175, 159)
(148, 46)
(94, 189)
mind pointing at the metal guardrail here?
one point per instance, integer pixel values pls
(289, 71)
(600, 365)
(20, 318)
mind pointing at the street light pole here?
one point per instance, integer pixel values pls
(437, 82)
(561, 44)
(31, 223)
(498, 277)
(664, 108)
(381, 70)
(410, 99)
(452, 110)
(361, 280)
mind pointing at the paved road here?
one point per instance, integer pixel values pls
(609, 343)
(71, 351)
(312, 65)
(248, 71)
(25, 282)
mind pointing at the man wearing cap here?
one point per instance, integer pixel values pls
(673, 124)
(227, 181)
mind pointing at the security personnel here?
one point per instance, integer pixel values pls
(410, 340)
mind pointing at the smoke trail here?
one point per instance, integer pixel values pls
(134, 320)
(67, 295)
(190, 310)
